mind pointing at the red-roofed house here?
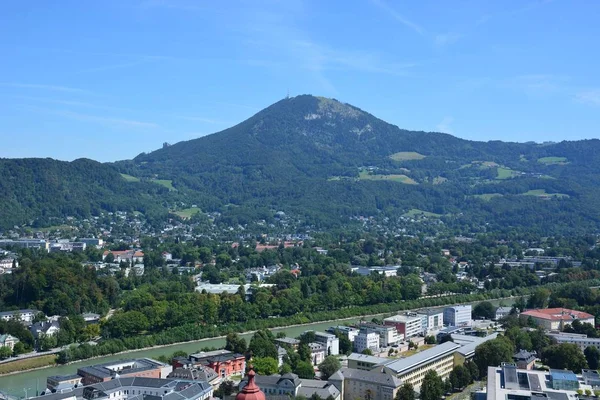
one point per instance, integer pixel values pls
(555, 319)
(135, 256)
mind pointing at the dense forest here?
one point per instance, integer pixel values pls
(324, 162)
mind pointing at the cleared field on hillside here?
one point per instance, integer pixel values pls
(407, 156)
(542, 193)
(164, 182)
(506, 173)
(365, 176)
(130, 178)
(487, 196)
(553, 160)
(186, 212)
(415, 212)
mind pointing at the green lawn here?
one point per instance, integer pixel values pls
(407, 156)
(415, 212)
(487, 196)
(28, 363)
(187, 212)
(553, 160)
(130, 178)
(165, 182)
(506, 173)
(542, 193)
(364, 175)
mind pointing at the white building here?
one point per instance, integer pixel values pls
(331, 342)
(346, 330)
(458, 315)
(502, 312)
(407, 325)
(318, 352)
(388, 335)
(582, 341)
(25, 316)
(432, 321)
(366, 340)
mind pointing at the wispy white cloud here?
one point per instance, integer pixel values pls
(54, 88)
(590, 96)
(399, 17)
(202, 119)
(444, 125)
(539, 83)
(99, 119)
(444, 39)
(127, 123)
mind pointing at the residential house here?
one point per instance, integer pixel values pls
(318, 352)
(9, 341)
(288, 342)
(26, 316)
(47, 328)
(524, 359)
(502, 312)
(131, 256)
(196, 373)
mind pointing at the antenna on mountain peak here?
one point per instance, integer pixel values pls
(287, 96)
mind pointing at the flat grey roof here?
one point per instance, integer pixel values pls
(406, 364)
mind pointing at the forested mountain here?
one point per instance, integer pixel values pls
(325, 162)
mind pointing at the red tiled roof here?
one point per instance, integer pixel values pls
(557, 314)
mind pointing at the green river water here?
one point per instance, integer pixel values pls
(14, 384)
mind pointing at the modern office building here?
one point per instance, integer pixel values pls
(365, 362)
(413, 369)
(366, 340)
(409, 324)
(141, 367)
(349, 331)
(135, 388)
(388, 335)
(458, 315)
(555, 319)
(330, 341)
(511, 383)
(582, 341)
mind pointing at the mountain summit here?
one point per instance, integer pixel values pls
(325, 162)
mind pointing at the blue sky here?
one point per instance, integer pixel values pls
(110, 79)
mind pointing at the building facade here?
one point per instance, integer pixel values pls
(458, 315)
(142, 367)
(407, 325)
(388, 335)
(366, 340)
(555, 319)
(330, 341)
(413, 369)
(358, 384)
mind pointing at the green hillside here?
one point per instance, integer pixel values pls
(304, 155)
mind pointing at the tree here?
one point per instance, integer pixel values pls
(5, 352)
(304, 352)
(460, 377)
(432, 387)
(473, 370)
(265, 365)
(90, 331)
(262, 344)
(368, 352)
(345, 343)
(110, 258)
(304, 370)
(592, 355)
(19, 348)
(233, 342)
(493, 353)
(564, 356)
(485, 310)
(539, 298)
(406, 392)
(329, 366)
(519, 305)
(47, 342)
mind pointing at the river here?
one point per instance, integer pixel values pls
(14, 384)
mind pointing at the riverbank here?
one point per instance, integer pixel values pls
(14, 382)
